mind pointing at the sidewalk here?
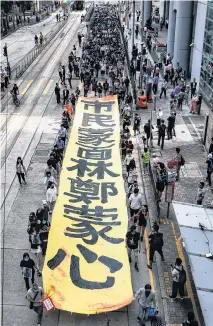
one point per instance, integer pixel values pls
(188, 134)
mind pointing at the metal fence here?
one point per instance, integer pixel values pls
(23, 64)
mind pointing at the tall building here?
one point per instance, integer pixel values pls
(206, 74)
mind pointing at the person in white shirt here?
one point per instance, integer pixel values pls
(163, 88)
(135, 202)
(51, 195)
(129, 157)
(159, 116)
(146, 299)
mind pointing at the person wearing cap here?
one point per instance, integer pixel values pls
(42, 212)
(209, 162)
(132, 242)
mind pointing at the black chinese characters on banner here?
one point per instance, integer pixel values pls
(93, 159)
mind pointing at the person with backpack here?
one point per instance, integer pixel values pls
(209, 162)
(179, 162)
(179, 279)
(161, 134)
(155, 244)
(190, 320)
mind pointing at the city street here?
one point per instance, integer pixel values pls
(30, 131)
(22, 41)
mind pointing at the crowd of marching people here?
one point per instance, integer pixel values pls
(39, 221)
(101, 70)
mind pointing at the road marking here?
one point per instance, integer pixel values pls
(47, 87)
(188, 285)
(35, 90)
(19, 82)
(26, 87)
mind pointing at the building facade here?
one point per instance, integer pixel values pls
(206, 73)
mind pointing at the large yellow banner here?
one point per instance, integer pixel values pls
(86, 268)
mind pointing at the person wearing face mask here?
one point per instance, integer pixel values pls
(146, 299)
(28, 269)
(35, 295)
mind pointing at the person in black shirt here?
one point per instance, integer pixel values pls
(28, 269)
(156, 244)
(44, 232)
(52, 161)
(211, 147)
(171, 124)
(132, 238)
(161, 134)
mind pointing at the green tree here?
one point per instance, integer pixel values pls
(24, 5)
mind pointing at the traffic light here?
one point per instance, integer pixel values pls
(5, 50)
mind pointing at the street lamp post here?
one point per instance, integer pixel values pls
(133, 23)
(142, 23)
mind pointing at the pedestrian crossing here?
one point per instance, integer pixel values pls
(24, 86)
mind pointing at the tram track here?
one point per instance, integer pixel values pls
(35, 109)
(49, 62)
(28, 73)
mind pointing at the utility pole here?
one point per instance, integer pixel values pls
(133, 23)
(142, 24)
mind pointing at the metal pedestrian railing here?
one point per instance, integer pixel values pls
(23, 64)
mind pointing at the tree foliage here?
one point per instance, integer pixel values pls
(6, 6)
